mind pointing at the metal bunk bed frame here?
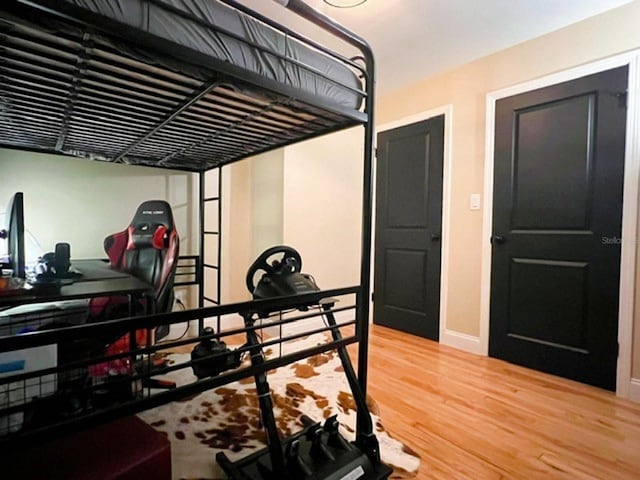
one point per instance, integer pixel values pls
(294, 110)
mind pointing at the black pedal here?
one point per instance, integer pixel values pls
(335, 440)
(319, 450)
(308, 456)
(294, 462)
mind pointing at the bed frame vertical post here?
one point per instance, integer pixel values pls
(219, 271)
(362, 315)
(201, 190)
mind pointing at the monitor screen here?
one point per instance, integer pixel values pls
(14, 220)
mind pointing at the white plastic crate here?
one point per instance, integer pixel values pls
(21, 392)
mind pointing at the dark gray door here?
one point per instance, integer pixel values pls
(408, 228)
(557, 217)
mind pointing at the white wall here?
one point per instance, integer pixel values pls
(81, 202)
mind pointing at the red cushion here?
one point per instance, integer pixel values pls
(146, 237)
(124, 449)
(114, 246)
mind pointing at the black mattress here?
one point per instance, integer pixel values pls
(234, 42)
(181, 84)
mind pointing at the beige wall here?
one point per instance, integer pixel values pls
(323, 206)
(236, 231)
(465, 89)
(267, 177)
(252, 194)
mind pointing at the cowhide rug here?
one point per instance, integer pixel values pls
(228, 418)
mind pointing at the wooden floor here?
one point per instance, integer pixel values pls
(472, 417)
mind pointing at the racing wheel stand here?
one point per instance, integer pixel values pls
(319, 451)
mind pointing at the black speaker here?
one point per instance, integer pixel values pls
(62, 255)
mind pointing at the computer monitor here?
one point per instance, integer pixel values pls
(14, 234)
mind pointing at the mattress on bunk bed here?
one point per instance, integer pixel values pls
(151, 17)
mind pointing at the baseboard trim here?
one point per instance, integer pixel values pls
(634, 390)
(461, 341)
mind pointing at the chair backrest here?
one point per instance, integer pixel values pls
(148, 249)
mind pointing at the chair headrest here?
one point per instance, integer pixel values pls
(153, 212)
(151, 225)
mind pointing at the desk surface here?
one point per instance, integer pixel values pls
(98, 279)
(93, 270)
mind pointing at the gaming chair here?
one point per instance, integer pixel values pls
(147, 249)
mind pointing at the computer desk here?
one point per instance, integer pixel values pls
(98, 279)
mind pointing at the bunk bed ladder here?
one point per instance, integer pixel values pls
(209, 231)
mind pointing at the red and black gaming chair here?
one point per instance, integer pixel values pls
(147, 249)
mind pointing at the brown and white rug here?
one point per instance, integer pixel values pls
(228, 418)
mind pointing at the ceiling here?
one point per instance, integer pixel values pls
(413, 39)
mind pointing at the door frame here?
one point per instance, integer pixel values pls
(629, 208)
(446, 336)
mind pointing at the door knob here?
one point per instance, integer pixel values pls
(435, 237)
(498, 240)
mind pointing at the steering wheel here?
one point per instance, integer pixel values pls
(289, 261)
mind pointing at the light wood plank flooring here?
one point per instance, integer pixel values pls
(472, 417)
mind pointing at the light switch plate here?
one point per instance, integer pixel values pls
(474, 203)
